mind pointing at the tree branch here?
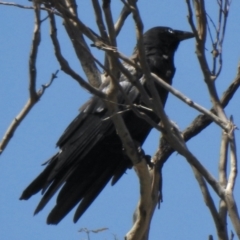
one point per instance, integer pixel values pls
(229, 198)
(64, 63)
(123, 16)
(200, 33)
(23, 113)
(30, 7)
(191, 103)
(223, 180)
(68, 9)
(219, 224)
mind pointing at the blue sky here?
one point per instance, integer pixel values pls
(183, 214)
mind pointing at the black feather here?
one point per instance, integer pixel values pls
(91, 153)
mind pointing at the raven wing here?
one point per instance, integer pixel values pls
(91, 153)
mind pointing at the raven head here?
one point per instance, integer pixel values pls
(164, 40)
(160, 44)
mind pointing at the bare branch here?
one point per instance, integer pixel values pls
(47, 85)
(233, 211)
(84, 55)
(33, 55)
(63, 62)
(23, 113)
(190, 19)
(72, 16)
(192, 160)
(14, 124)
(223, 217)
(219, 224)
(223, 160)
(109, 21)
(223, 179)
(99, 20)
(200, 51)
(123, 16)
(233, 161)
(33, 95)
(229, 198)
(221, 30)
(191, 103)
(75, 31)
(142, 212)
(87, 231)
(30, 7)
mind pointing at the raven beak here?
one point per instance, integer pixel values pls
(183, 35)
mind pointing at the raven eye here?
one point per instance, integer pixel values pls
(170, 30)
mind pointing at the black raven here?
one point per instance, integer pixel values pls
(91, 152)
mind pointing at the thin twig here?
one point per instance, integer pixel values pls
(33, 54)
(47, 85)
(30, 7)
(223, 29)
